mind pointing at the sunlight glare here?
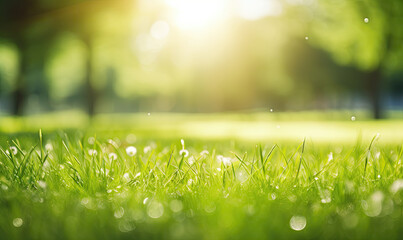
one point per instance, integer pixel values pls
(196, 14)
(257, 9)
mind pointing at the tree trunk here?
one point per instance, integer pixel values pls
(89, 88)
(19, 93)
(374, 91)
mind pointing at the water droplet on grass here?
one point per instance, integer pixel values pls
(126, 226)
(353, 118)
(210, 208)
(373, 206)
(184, 152)
(131, 151)
(42, 184)
(119, 212)
(14, 150)
(298, 223)
(112, 156)
(366, 20)
(17, 222)
(91, 140)
(155, 210)
(396, 186)
(176, 205)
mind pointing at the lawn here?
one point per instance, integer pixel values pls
(250, 176)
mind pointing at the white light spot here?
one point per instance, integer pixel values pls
(184, 152)
(119, 212)
(131, 151)
(298, 223)
(42, 184)
(224, 160)
(257, 9)
(330, 157)
(159, 30)
(91, 140)
(85, 201)
(176, 205)
(191, 160)
(196, 14)
(353, 118)
(147, 149)
(14, 150)
(113, 156)
(155, 210)
(92, 152)
(396, 186)
(366, 20)
(126, 226)
(145, 200)
(306, 38)
(204, 153)
(373, 206)
(17, 222)
(48, 147)
(148, 114)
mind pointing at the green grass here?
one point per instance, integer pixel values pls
(55, 187)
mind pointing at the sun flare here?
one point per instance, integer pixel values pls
(196, 14)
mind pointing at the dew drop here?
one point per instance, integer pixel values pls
(119, 212)
(353, 118)
(17, 222)
(176, 205)
(298, 223)
(155, 210)
(366, 20)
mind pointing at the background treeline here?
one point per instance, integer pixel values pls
(127, 56)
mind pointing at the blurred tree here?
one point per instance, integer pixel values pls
(35, 23)
(318, 78)
(13, 19)
(367, 34)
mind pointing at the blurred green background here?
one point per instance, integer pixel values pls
(117, 56)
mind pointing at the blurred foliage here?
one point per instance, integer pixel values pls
(198, 56)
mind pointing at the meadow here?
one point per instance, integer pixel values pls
(228, 176)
